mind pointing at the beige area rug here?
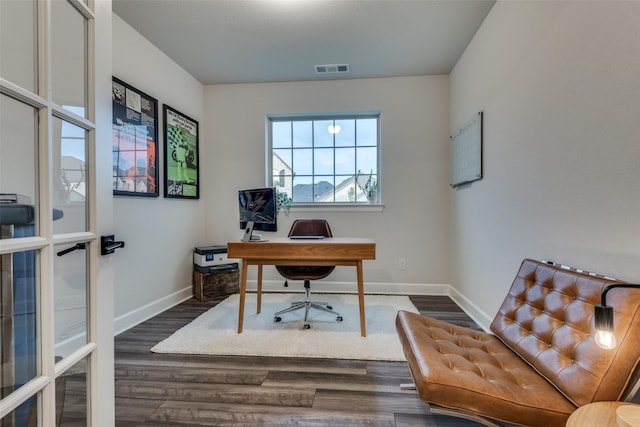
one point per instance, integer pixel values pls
(215, 332)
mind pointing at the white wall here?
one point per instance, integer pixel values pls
(153, 271)
(414, 135)
(559, 84)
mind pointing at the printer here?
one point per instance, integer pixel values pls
(209, 256)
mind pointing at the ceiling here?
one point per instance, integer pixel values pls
(246, 41)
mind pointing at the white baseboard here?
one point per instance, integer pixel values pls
(478, 316)
(135, 317)
(139, 315)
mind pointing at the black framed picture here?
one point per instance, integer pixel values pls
(181, 162)
(134, 141)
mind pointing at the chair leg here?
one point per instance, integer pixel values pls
(307, 304)
(319, 306)
(293, 307)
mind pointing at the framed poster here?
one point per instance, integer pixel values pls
(181, 170)
(134, 141)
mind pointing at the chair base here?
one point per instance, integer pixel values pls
(307, 304)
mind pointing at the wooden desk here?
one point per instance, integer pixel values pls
(330, 251)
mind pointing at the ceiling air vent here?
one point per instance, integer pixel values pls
(332, 68)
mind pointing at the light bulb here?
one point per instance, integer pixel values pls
(606, 340)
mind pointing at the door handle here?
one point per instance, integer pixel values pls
(108, 244)
(72, 248)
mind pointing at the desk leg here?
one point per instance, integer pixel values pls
(363, 328)
(259, 296)
(243, 290)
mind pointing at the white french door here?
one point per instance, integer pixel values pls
(56, 291)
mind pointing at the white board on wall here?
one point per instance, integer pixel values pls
(466, 152)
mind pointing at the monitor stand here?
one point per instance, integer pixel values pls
(249, 236)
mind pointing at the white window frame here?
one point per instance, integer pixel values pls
(359, 204)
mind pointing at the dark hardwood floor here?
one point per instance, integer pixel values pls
(187, 390)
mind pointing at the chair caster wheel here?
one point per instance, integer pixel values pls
(306, 327)
(339, 319)
(329, 307)
(277, 319)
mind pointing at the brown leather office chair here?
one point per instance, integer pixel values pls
(300, 228)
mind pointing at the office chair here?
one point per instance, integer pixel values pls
(307, 227)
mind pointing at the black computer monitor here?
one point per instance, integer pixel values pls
(258, 209)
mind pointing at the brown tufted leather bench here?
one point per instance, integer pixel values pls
(541, 361)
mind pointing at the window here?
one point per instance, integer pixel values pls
(328, 159)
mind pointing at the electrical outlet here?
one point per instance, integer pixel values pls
(402, 264)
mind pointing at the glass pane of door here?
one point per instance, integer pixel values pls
(19, 315)
(24, 415)
(70, 170)
(70, 298)
(69, 57)
(18, 160)
(71, 396)
(18, 36)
